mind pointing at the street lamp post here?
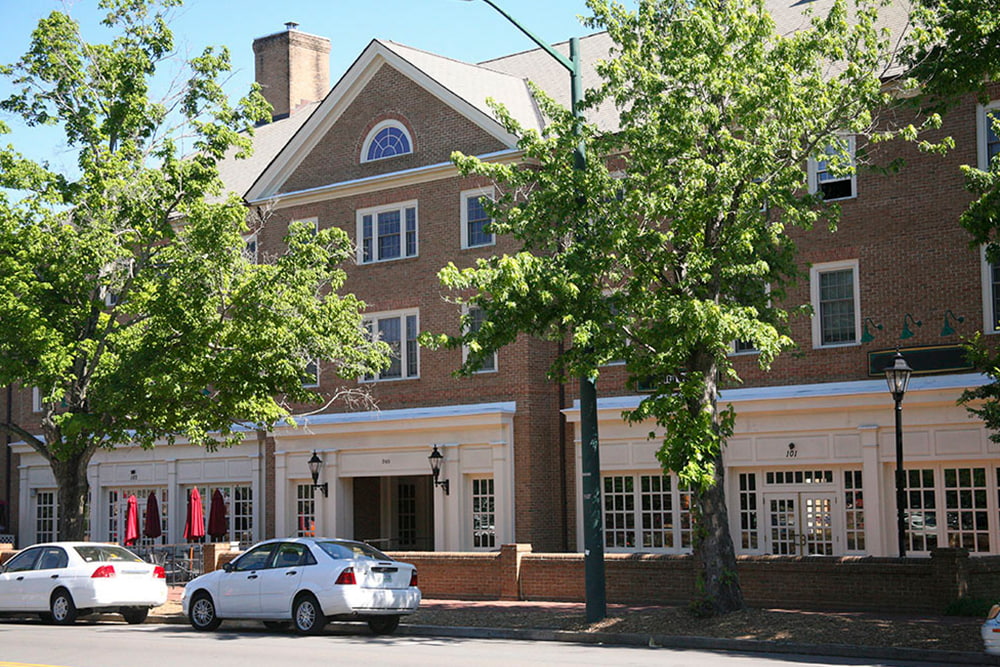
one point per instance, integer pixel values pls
(897, 376)
(593, 543)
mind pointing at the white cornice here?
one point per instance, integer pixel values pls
(395, 179)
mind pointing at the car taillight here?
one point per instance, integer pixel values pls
(159, 572)
(103, 572)
(413, 578)
(346, 577)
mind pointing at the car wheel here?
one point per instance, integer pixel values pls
(134, 615)
(202, 614)
(383, 625)
(276, 625)
(62, 608)
(308, 615)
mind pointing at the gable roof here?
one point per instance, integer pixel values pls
(461, 86)
(466, 87)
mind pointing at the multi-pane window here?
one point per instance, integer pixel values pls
(832, 180)
(835, 299)
(250, 248)
(310, 378)
(965, 509)
(921, 510)
(45, 516)
(305, 510)
(475, 219)
(387, 139)
(989, 141)
(387, 232)
(854, 510)
(406, 515)
(484, 529)
(400, 331)
(241, 515)
(476, 319)
(749, 534)
(646, 512)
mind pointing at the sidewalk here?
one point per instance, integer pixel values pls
(562, 621)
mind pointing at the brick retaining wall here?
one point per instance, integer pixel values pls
(915, 585)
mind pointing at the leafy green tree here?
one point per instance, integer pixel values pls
(676, 245)
(126, 292)
(955, 51)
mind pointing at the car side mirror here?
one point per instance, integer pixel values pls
(228, 567)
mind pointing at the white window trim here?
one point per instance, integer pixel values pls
(465, 351)
(311, 385)
(378, 128)
(488, 192)
(814, 272)
(373, 318)
(253, 239)
(374, 211)
(989, 317)
(981, 119)
(813, 175)
(36, 399)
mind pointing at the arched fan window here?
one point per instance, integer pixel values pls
(387, 139)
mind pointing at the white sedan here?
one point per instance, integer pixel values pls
(991, 631)
(306, 581)
(63, 580)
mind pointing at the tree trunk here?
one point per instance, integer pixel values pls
(714, 549)
(71, 478)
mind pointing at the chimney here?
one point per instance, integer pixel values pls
(292, 68)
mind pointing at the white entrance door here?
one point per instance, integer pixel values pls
(800, 524)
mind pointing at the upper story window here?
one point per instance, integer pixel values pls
(834, 183)
(398, 329)
(387, 139)
(475, 219)
(986, 134)
(476, 319)
(310, 378)
(250, 247)
(387, 232)
(991, 294)
(836, 303)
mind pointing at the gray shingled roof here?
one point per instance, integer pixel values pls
(268, 140)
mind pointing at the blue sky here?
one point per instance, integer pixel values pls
(470, 31)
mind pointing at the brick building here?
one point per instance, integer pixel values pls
(814, 437)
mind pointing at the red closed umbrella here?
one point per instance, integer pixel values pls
(152, 527)
(132, 522)
(218, 522)
(194, 523)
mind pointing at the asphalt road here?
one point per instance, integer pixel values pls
(111, 644)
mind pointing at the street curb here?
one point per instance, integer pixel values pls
(675, 642)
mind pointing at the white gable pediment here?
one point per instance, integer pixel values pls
(462, 87)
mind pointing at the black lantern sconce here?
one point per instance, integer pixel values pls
(948, 330)
(315, 463)
(436, 459)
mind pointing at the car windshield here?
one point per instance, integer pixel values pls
(101, 553)
(351, 550)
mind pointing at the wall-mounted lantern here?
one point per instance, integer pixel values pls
(315, 463)
(948, 330)
(437, 458)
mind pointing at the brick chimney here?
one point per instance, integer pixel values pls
(293, 68)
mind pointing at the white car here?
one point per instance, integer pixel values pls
(305, 581)
(63, 580)
(991, 631)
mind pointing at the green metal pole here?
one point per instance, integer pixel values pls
(593, 533)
